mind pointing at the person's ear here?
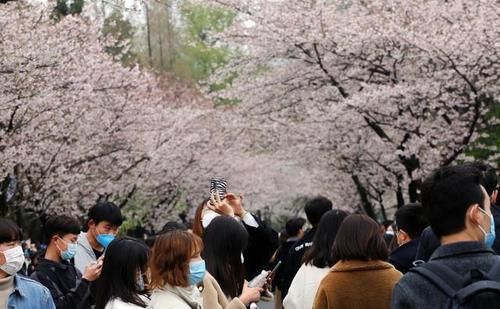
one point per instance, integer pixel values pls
(402, 237)
(474, 214)
(493, 198)
(301, 232)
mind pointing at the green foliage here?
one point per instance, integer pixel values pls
(220, 101)
(76, 6)
(198, 56)
(137, 211)
(122, 32)
(62, 8)
(134, 212)
(486, 147)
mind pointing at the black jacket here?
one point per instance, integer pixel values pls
(294, 261)
(65, 284)
(402, 257)
(282, 255)
(262, 243)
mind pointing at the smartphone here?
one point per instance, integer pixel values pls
(272, 272)
(218, 184)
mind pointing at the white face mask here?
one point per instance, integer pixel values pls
(14, 260)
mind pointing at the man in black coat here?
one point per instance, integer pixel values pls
(294, 230)
(314, 210)
(68, 287)
(410, 222)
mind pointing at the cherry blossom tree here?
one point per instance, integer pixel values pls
(376, 92)
(353, 100)
(76, 126)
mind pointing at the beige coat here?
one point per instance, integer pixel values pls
(357, 284)
(214, 298)
(175, 298)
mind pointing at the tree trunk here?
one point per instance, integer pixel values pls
(365, 201)
(170, 34)
(148, 32)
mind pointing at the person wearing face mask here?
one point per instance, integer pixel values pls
(18, 291)
(68, 287)
(104, 219)
(489, 180)
(459, 212)
(176, 269)
(123, 282)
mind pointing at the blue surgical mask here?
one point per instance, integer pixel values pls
(196, 272)
(489, 238)
(105, 239)
(70, 252)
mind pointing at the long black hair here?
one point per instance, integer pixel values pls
(224, 240)
(319, 253)
(125, 258)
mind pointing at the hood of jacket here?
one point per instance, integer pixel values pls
(84, 244)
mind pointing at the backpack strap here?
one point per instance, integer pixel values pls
(494, 272)
(490, 283)
(474, 288)
(452, 284)
(441, 276)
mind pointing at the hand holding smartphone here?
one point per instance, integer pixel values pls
(262, 279)
(218, 186)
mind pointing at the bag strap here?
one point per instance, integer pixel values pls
(441, 276)
(452, 284)
(494, 272)
(474, 288)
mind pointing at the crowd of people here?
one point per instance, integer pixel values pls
(439, 253)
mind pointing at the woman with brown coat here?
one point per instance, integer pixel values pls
(360, 277)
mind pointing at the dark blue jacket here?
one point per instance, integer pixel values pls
(429, 242)
(402, 257)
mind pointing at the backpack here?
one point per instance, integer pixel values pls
(476, 290)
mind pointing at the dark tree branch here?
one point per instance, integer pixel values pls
(363, 194)
(333, 81)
